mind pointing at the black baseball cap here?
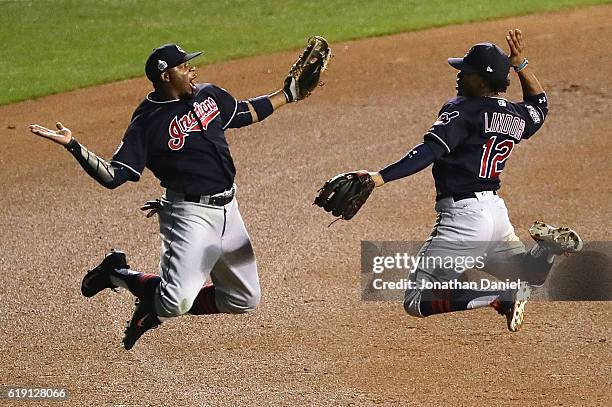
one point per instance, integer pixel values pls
(165, 57)
(485, 58)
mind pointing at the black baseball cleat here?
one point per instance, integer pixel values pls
(144, 318)
(511, 304)
(98, 279)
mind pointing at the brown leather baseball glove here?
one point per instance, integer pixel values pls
(305, 73)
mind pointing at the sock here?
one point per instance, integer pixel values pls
(442, 301)
(538, 251)
(140, 285)
(537, 263)
(205, 302)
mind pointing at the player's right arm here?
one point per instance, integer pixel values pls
(107, 174)
(447, 132)
(417, 159)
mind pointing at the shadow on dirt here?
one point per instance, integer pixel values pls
(586, 276)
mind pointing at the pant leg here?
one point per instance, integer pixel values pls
(506, 242)
(463, 229)
(191, 246)
(235, 276)
(508, 259)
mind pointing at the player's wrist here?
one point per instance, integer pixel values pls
(378, 179)
(289, 89)
(520, 66)
(71, 144)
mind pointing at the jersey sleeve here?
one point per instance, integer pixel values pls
(449, 130)
(228, 105)
(132, 151)
(534, 110)
(242, 117)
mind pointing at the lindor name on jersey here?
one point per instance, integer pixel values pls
(179, 128)
(504, 123)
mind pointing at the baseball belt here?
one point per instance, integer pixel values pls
(220, 199)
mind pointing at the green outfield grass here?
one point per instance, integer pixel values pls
(54, 46)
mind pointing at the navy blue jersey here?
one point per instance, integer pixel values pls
(183, 142)
(477, 136)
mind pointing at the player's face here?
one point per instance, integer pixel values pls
(182, 77)
(469, 84)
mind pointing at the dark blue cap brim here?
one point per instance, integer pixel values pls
(459, 63)
(192, 55)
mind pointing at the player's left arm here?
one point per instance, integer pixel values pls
(241, 113)
(529, 82)
(304, 76)
(535, 101)
(276, 100)
(259, 108)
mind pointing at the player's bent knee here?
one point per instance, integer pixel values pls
(169, 308)
(412, 301)
(241, 305)
(249, 304)
(252, 302)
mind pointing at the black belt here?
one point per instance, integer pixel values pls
(462, 196)
(214, 200)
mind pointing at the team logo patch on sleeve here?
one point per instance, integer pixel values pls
(533, 112)
(446, 117)
(206, 111)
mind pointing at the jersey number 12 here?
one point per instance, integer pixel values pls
(494, 156)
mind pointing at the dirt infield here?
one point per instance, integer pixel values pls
(313, 341)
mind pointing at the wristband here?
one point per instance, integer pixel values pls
(263, 106)
(521, 66)
(71, 145)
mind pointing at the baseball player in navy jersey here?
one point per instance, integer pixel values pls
(207, 262)
(469, 145)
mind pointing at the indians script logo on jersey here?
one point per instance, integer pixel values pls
(180, 127)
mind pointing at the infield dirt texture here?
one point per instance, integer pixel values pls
(312, 341)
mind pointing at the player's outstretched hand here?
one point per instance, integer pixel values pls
(62, 135)
(153, 206)
(515, 42)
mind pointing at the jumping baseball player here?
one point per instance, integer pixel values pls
(178, 132)
(469, 146)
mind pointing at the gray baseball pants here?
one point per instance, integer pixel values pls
(200, 243)
(470, 227)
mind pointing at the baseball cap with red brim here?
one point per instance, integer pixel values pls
(165, 57)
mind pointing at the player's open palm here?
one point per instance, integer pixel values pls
(515, 42)
(62, 135)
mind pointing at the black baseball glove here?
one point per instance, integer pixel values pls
(305, 73)
(345, 194)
